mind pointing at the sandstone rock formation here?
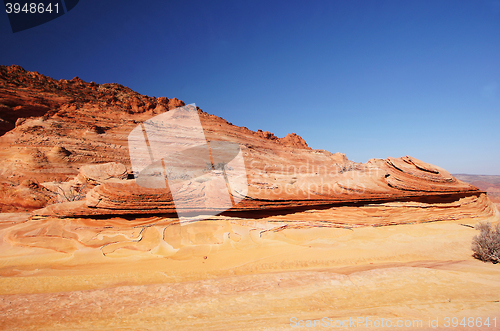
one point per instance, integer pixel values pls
(73, 123)
(278, 190)
(60, 131)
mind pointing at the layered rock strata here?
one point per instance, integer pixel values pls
(60, 131)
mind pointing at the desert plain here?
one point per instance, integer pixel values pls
(314, 237)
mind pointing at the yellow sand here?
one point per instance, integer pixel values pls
(235, 274)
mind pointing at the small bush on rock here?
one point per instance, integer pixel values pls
(486, 245)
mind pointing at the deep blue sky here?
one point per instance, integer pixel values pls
(370, 79)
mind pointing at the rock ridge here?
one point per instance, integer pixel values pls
(71, 135)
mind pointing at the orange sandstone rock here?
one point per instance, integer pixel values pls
(65, 129)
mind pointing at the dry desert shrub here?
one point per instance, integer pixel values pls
(75, 193)
(486, 245)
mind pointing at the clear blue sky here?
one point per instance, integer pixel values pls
(370, 79)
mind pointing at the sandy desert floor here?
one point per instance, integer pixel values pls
(241, 274)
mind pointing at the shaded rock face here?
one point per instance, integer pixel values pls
(75, 133)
